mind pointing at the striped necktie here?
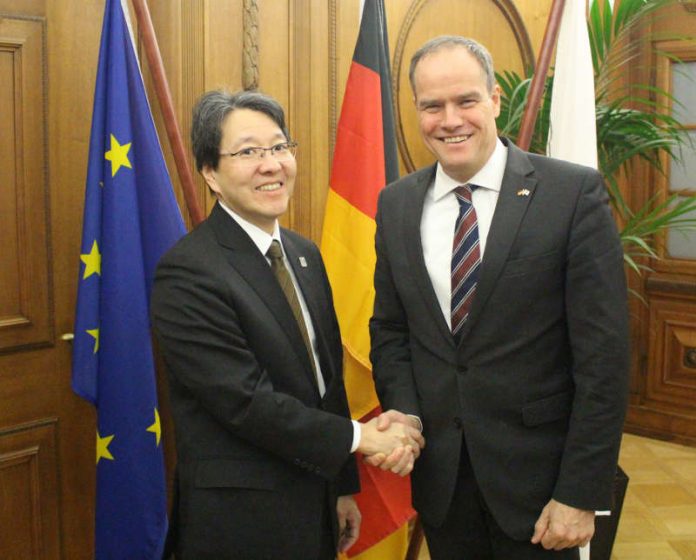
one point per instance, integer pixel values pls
(466, 258)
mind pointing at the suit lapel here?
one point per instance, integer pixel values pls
(509, 211)
(413, 212)
(248, 261)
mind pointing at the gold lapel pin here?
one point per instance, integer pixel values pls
(523, 192)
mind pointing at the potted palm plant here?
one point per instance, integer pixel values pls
(633, 124)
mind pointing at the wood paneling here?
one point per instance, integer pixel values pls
(51, 50)
(674, 382)
(25, 306)
(663, 383)
(29, 526)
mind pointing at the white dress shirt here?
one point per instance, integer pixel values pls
(440, 211)
(263, 241)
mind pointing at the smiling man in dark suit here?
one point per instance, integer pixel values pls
(500, 324)
(244, 316)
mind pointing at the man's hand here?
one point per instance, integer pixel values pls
(393, 446)
(349, 519)
(384, 440)
(560, 526)
(400, 461)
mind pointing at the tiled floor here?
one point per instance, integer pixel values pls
(658, 521)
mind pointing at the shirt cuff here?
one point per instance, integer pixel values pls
(357, 432)
(417, 419)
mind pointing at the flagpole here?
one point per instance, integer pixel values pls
(536, 90)
(154, 59)
(416, 541)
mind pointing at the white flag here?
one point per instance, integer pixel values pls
(573, 130)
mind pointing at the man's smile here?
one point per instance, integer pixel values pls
(456, 139)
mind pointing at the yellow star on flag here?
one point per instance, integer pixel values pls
(118, 155)
(95, 334)
(92, 261)
(156, 428)
(103, 447)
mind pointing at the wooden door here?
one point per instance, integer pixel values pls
(663, 400)
(47, 434)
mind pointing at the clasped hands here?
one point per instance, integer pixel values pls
(392, 441)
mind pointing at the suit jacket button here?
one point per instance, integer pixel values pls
(297, 462)
(457, 422)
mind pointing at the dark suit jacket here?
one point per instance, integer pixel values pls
(538, 383)
(260, 454)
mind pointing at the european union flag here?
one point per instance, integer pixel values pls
(130, 219)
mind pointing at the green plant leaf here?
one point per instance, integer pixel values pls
(634, 123)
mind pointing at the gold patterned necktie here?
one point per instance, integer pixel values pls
(275, 254)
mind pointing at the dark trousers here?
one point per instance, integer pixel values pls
(470, 532)
(328, 544)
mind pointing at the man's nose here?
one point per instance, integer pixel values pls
(452, 117)
(269, 163)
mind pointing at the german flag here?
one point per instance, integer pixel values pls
(365, 160)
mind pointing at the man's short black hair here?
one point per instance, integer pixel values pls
(209, 113)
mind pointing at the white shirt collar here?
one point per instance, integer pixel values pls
(261, 239)
(490, 176)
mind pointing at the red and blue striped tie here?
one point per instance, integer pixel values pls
(466, 258)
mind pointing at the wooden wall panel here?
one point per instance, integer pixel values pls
(25, 306)
(9, 271)
(664, 404)
(29, 492)
(674, 338)
(320, 94)
(73, 35)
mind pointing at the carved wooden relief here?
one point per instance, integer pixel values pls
(250, 57)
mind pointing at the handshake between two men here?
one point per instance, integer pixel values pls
(392, 441)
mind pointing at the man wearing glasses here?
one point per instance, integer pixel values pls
(244, 316)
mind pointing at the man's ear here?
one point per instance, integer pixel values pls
(495, 96)
(210, 176)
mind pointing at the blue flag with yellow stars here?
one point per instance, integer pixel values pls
(130, 219)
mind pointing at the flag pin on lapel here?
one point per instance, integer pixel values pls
(303, 262)
(523, 192)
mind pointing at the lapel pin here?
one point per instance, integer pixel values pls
(523, 192)
(303, 262)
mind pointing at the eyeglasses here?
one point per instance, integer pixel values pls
(255, 154)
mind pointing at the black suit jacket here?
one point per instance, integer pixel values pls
(260, 454)
(539, 380)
